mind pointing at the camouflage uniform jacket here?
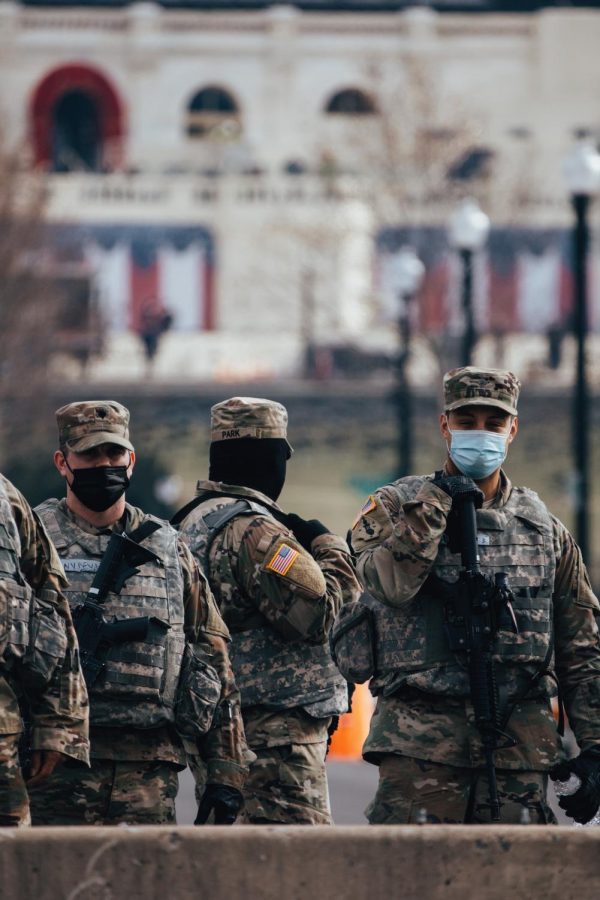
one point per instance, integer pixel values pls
(58, 713)
(399, 538)
(270, 607)
(223, 747)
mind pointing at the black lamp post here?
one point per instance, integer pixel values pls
(468, 231)
(408, 273)
(582, 175)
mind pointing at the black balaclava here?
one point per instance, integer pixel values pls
(257, 463)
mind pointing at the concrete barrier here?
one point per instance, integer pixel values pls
(301, 863)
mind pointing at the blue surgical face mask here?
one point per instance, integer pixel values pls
(478, 453)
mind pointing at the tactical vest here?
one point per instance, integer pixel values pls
(411, 646)
(268, 670)
(138, 686)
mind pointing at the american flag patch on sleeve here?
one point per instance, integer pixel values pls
(369, 505)
(283, 560)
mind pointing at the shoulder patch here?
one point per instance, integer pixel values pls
(368, 506)
(283, 559)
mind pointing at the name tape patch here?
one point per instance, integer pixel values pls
(80, 565)
(283, 559)
(227, 434)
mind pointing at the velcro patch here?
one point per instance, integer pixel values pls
(283, 559)
(369, 505)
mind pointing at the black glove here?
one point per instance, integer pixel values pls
(459, 487)
(305, 530)
(585, 802)
(224, 800)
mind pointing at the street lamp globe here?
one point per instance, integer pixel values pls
(408, 271)
(469, 226)
(581, 169)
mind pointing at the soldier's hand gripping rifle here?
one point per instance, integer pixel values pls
(478, 608)
(96, 634)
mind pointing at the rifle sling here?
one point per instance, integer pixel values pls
(144, 530)
(184, 512)
(540, 673)
(138, 535)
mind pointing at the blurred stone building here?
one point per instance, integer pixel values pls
(253, 167)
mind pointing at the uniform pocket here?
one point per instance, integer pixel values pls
(47, 644)
(15, 610)
(198, 696)
(72, 697)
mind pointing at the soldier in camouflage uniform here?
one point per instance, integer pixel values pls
(423, 735)
(155, 697)
(279, 581)
(39, 665)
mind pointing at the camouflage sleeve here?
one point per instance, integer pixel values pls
(223, 748)
(297, 592)
(577, 646)
(396, 540)
(40, 563)
(59, 715)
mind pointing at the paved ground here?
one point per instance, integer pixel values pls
(351, 786)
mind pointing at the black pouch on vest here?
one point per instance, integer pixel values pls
(47, 642)
(198, 696)
(352, 642)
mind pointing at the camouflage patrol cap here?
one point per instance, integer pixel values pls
(88, 423)
(254, 417)
(472, 386)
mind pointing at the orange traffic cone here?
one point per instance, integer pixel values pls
(354, 726)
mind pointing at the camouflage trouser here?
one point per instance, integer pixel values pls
(14, 803)
(286, 786)
(109, 792)
(447, 793)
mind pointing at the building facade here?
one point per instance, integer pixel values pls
(252, 167)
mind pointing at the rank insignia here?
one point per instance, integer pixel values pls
(283, 560)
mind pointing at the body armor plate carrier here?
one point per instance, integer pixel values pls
(409, 644)
(138, 685)
(268, 670)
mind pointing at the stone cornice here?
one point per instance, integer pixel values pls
(467, 6)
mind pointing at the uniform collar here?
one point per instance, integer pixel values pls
(86, 526)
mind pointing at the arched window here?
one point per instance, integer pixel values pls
(76, 121)
(351, 102)
(213, 111)
(75, 142)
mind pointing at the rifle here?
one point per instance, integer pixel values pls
(96, 634)
(473, 615)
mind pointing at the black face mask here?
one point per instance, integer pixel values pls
(248, 462)
(100, 486)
